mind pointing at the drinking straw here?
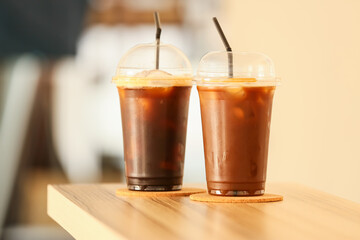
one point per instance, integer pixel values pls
(157, 37)
(227, 47)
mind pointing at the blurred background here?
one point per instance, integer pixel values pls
(60, 117)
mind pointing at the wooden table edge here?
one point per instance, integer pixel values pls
(83, 224)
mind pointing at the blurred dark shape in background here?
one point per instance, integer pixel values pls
(40, 26)
(48, 30)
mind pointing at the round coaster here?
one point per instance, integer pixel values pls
(183, 192)
(205, 197)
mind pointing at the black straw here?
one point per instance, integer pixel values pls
(157, 38)
(227, 46)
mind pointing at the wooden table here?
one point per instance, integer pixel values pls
(95, 212)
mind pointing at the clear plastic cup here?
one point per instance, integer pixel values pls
(154, 111)
(236, 114)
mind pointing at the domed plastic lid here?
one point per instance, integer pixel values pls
(245, 68)
(138, 67)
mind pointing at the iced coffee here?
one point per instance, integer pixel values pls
(154, 112)
(236, 115)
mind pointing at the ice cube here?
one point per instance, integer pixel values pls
(142, 74)
(260, 100)
(239, 113)
(145, 105)
(237, 91)
(268, 89)
(153, 74)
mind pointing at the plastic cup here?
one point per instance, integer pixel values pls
(236, 114)
(154, 111)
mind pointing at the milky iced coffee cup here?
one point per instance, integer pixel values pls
(154, 111)
(236, 114)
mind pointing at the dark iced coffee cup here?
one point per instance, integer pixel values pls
(236, 114)
(154, 112)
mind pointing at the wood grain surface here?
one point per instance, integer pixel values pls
(124, 192)
(95, 212)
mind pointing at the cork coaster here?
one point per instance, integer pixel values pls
(183, 192)
(205, 197)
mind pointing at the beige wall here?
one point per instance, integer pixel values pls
(315, 133)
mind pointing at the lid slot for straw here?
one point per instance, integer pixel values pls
(157, 38)
(227, 47)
